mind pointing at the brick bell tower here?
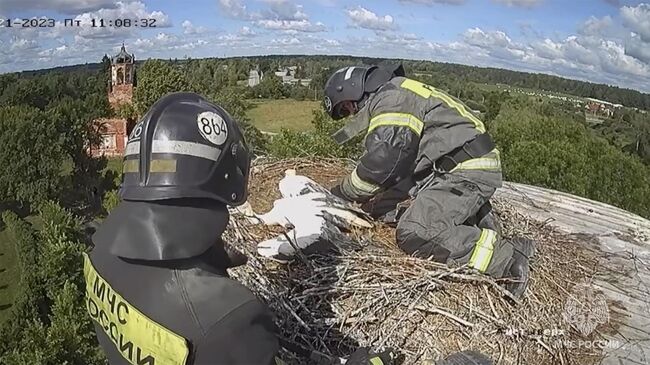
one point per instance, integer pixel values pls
(122, 78)
(113, 132)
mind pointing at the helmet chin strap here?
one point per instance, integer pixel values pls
(354, 127)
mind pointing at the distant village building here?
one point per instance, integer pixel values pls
(288, 76)
(601, 107)
(255, 77)
(115, 131)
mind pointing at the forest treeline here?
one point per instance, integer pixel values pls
(310, 66)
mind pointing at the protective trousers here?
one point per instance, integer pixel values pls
(440, 223)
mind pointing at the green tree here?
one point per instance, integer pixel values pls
(31, 155)
(271, 87)
(157, 78)
(49, 324)
(545, 146)
(315, 143)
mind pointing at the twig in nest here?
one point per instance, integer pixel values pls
(436, 310)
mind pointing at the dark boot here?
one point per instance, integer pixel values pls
(519, 268)
(466, 358)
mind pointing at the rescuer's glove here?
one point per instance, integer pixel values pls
(337, 192)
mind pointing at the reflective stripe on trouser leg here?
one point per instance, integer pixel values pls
(483, 250)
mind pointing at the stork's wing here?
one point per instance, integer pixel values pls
(343, 218)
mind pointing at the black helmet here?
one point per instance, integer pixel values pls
(346, 84)
(186, 147)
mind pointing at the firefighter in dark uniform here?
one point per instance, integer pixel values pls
(423, 144)
(157, 288)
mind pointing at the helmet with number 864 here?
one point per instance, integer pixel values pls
(186, 147)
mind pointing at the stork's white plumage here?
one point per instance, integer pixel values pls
(302, 206)
(294, 185)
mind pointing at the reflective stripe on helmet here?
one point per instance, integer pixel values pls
(397, 119)
(427, 91)
(362, 185)
(130, 166)
(132, 148)
(348, 73)
(162, 166)
(178, 148)
(133, 166)
(490, 161)
(483, 250)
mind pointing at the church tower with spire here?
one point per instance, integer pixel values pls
(122, 78)
(113, 132)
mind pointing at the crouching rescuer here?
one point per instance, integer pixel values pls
(157, 286)
(429, 166)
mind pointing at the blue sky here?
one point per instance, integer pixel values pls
(604, 41)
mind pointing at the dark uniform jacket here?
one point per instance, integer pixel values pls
(164, 307)
(410, 125)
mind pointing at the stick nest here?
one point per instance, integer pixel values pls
(375, 295)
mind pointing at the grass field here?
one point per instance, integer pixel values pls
(273, 115)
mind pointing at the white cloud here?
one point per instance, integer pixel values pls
(637, 19)
(162, 43)
(22, 44)
(398, 37)
(61, 6)
(286, 41)
(585, 57)
(431, 2)
(364, 18)
(520, 3)
(332, 42)
(488, 40)
(247, 32)
(296, 25)
(234, 9)
(637, 48)
(189, 28)
(284, 10)
(595, 26)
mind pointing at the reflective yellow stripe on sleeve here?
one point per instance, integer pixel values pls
(427, 91)
(362, 185)
(483, 250)
(397, 119)
(491, 161)
(376, 361)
